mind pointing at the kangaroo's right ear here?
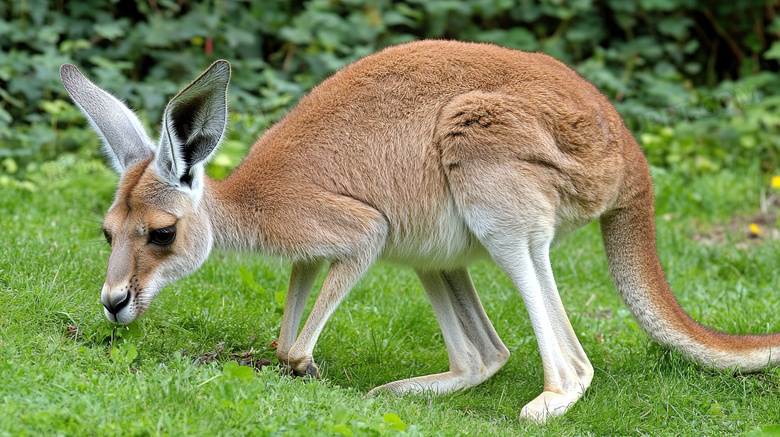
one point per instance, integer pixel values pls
(124, 139)
(193, 125)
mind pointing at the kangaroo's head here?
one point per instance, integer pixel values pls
(157, 227)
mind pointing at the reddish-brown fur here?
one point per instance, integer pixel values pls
(429, 154)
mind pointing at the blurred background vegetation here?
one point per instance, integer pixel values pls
(695, 80)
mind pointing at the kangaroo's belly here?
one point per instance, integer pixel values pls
(435, 240)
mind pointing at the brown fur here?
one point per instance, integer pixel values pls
(433, 154)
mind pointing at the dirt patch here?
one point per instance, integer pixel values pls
(71, 332)
(247, 358)
(605, 314)
(744, 230)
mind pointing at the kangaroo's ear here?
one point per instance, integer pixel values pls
(193, 125)
(124, 139)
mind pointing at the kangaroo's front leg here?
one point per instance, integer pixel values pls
(301, 282)
(342, 275)
(351, 235)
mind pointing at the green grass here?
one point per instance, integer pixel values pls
(55, 382)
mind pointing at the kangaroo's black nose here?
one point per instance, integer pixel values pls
(116, 302)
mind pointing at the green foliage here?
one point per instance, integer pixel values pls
(249, 280)
(649, 56)
(123, 354)
(734, 124)
(765, 431)
(233, 370)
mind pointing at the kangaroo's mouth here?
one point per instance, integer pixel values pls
(125, 303)
(123, 315)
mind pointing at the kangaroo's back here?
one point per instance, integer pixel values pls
(379, 130)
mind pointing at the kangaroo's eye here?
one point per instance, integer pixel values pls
(108, 236)
(163, 236)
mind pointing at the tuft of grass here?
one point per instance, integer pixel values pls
(67, 371)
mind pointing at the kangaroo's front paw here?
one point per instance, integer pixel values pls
(305, 368)
(311, 371)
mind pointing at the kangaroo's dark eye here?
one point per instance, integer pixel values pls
(108, 236)
(163, 236)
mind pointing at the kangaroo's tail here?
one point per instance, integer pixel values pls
(629, 237)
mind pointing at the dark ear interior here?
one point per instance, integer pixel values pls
(190, 119)
(195, 121)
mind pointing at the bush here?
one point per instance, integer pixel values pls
(649, 56)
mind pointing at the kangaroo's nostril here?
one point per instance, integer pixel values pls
(115, 305)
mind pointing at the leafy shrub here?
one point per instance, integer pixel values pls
(646, 55)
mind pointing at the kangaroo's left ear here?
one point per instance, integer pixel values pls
(193, 125)
(124, 139)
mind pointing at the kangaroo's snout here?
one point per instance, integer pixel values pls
(118, 304)
(115, 303)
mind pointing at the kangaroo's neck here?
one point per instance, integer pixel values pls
(236, 214)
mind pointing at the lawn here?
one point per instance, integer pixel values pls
(66, 371)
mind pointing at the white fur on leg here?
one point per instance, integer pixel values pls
(475, 350)
(549, 404)
(522, 251)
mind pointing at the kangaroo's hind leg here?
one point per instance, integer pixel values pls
(518, 232)
(506, 174)
(475, 350)
(567, 370)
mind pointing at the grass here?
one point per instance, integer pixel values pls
(66, 371)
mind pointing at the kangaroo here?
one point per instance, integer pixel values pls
(431, 155)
